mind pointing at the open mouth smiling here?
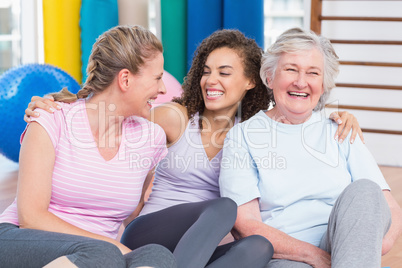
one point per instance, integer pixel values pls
(214, 93)
(298, 94)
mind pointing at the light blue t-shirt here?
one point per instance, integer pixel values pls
(296, 171)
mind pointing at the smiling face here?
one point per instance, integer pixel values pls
(223, 82)
(297, 85)
(147, 85)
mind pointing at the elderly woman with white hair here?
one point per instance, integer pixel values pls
(319, 202)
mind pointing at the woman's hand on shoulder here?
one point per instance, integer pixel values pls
(46, 103)
(346, 121)
(172, 117)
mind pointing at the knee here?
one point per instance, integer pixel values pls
(100, 254)
(227, 204)
(224, 207)
(151, 255)
(256, 249)
(259, 245)
(364, 189)
(368, 196)
(366, 186)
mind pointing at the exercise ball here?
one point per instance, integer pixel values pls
(17, 86)
(173, 89)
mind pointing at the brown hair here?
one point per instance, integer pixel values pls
(122, 47)
(256, 99)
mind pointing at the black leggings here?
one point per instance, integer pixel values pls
(192, 231)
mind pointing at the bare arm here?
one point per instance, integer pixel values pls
(35, 185)
(249, 222)
(395, 230)
(172, 117)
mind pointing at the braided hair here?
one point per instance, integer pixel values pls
(122, 47)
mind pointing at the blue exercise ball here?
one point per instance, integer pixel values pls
(17, 86)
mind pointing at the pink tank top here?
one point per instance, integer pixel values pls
(87, 191)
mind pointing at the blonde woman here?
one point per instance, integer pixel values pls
(76, 183)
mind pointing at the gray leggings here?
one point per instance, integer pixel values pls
(35, 248)
(358, 222)
(192, 231)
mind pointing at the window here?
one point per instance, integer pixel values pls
(10, 34)
(280, 15)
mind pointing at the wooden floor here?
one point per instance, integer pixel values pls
(393, 175)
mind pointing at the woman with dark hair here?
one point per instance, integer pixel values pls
(225, 70)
